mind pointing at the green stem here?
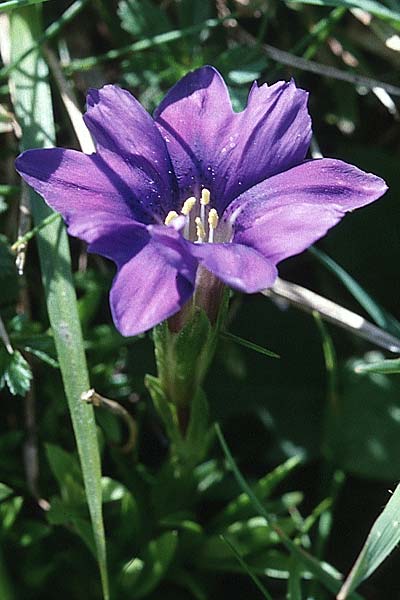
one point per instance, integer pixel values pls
(32, 232)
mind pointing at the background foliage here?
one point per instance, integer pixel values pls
(318, 429)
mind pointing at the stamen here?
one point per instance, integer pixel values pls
(170, 217)
(200, 231)
(213, 219)
(205, 197)
(188, 205)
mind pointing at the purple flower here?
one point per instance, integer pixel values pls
(197, 185)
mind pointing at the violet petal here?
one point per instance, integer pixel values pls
(237, 265)
(121, 126)
(229, 152)
(153, 281)
(285, 214)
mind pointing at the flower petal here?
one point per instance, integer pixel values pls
(81, 186)
(154, 279)
(285, 214)
(238, 266)
(229, 152)
(121, 126)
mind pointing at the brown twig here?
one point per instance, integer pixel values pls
(92, 397)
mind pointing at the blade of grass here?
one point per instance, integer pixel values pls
(156, 40)
(375, 8)
(330, 579)
(11, 4)
(375, 311)
(382, 539)
(243, 564)
(51, 32)
(387, 367)
(32, 103)
(247, 344)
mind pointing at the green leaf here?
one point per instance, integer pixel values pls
(249, 537)
(248, 569)
(375, 8)
(326, 574)
(375, 311)
(362, 425)
(242, 342)
(198, 435)
(143, 18)
(11, 4)
(33, 108)
(386, 367)
(5, 491)
(141, 576)
(65, 468)
(9, 511)
(382, 539)
(242, 506)
(14, 372)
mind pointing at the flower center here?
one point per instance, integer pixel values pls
(199, 221)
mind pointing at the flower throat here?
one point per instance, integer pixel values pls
(200, 224)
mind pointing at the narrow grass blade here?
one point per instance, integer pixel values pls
(11, 4)
(253, 576)
(309, 301)
(387, 367)
(51, 32)
(156, 40)
(375, 8)
(247, 344)
(32, 103)
(382, 539)
(375, 311)
(331, 579)
(329, 357)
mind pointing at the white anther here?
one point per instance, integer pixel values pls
(188, 205)
(213, 219)
(170, 217)
(205, 197)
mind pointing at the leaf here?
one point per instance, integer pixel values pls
(362, 424)
(9, 511)
(386, 367)
(14, 372)
(375, 8)
(141, 576)
(382, 539)
(242, 342)
(143, 18)
(375, 311)
(65, 468)
(324, 573)
(241, 506)
(12, 4)
(33, 108)
(249, 537)
(248, 570)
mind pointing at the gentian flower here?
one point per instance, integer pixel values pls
(197, 188)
